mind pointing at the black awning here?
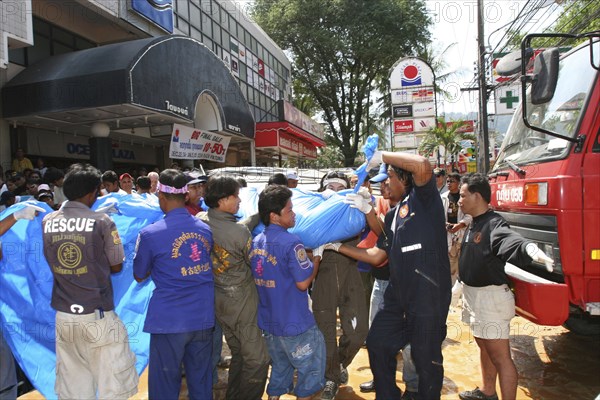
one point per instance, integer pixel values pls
(164, 75)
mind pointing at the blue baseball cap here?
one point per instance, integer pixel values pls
(381, 176)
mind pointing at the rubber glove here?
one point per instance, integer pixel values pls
(539, 256)
(28, 212)
(357, 201)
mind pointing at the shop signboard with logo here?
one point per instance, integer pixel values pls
(71, 147)
(507, 98)
(195, 144)
(403, 126)
(413, 101)
(402, 111)
(159, 12)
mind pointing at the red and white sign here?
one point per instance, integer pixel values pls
(261, 68)
(422, 95)
(403, 126)
(467, 126)
(411, 71)
(193, 144)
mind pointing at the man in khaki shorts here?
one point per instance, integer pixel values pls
(489, 304)
(83, 248)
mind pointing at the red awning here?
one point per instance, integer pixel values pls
(291, 129)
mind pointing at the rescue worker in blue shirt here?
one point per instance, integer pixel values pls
(175, 252)
(282, 273)
(417, 299)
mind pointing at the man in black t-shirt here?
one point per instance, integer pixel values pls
(488, 301)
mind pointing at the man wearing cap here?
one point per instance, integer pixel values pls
(45, 195)
(175, 252)
(126, 183)
(440, 180)
(83, 249)
(196, 192)
(338, 286)
(292, 179)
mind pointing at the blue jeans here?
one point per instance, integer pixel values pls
(305, 353)
(168, 351)
(409, 371)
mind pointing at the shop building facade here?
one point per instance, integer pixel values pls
(105, 80)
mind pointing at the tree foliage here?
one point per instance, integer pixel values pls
(340, 49)
(447, 136)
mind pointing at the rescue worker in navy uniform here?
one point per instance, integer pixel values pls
(417, 299)
(83, 249)
(489, 304)
(175, 252)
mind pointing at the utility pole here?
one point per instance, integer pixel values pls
(483, 158)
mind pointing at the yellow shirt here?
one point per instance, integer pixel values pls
(21, 165)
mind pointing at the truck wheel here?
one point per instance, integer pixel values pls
(583, 324)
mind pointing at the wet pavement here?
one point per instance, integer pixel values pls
(552, 363)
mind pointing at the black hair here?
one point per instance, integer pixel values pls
(80, 180)
(405, 176)
(110, 176)
(143, 182)
(454, 175)
(478, 183)
(332, 175)
(220, 187)
(53, 174)
(278, 179)
(272, 199)
(175, 178)
(241, 181)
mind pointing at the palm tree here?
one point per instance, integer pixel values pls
(447, 136)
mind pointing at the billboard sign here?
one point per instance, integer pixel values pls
(403, 111)
(423, 109)
(403, 126)
(411, 72)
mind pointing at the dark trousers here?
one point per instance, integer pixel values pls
(392, 329)
(168, 351)
(339, 286)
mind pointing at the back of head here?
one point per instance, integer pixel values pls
(80, 180)
(143, 182)
(278, 179)
(242, 181)
(173, 184)
(272, 199)
(478, 183)
(53, 174)
(220, 187)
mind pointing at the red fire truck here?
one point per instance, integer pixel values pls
(546, 181)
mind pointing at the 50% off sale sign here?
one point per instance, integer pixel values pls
(193, 144)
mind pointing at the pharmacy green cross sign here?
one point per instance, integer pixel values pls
(509, 99)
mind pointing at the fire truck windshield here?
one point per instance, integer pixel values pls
(561, 114)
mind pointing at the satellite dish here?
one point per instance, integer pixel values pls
(510, 64)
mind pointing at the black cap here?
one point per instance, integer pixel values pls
(195, 178)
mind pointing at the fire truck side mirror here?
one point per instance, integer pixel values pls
(545, 76)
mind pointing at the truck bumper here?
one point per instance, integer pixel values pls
(539, 300)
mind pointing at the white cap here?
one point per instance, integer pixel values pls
(292, 175)
(43, 186)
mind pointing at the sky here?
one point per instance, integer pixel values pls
(455, 21)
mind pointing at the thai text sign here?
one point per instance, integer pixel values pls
(193, 144)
